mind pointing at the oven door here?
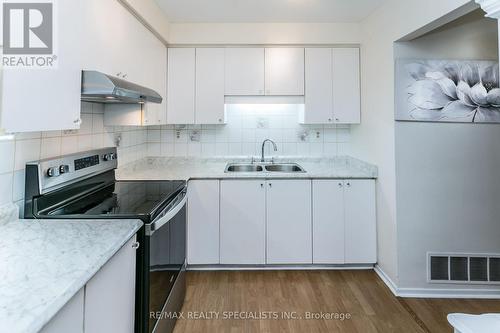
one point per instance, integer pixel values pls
(167, 254)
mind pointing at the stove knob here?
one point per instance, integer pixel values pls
(113, 156)
(53, 172)
(106, 157)
(63, 168)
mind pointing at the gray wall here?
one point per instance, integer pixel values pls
(447, 175)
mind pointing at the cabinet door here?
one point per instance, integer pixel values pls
(103, 40)
(284, 71)
(181, 86)
(244, 71)
(110, 294)
(289, 239)
(210, 86)
(242, 222)
(319, 86)
(328, 221)
(203, 222)
(154, 76)
(346, 86)
(49, 98)
(360, 222)
(69, 318)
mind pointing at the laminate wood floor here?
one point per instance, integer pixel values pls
(285, 301)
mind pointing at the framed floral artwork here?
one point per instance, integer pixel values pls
(447, 91)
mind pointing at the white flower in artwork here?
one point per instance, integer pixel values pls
(454, 91)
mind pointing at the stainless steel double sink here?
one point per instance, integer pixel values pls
(264, 167)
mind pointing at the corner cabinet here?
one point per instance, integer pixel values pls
(106, 303)
(123, 47)
(333, 92)
(203, 222)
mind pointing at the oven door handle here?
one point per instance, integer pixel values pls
(179, 203)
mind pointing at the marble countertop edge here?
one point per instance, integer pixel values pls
(191, 168)
(34, 316)
(72, 290)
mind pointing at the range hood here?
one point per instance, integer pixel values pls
(102, 88)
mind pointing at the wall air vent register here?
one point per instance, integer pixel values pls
(463, 268)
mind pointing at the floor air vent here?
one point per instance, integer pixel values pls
(463, 268)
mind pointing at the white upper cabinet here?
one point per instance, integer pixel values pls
(210, 86)
(332, 86)
(245, 71)
(124, 48)
(49, 98)
(346, 86)
(319, 86)
(284, 71)
(181, 86)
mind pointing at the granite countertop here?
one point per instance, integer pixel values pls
(181, 168)
(44, 263)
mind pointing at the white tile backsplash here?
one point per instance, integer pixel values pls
(26, 147)
(247, 126)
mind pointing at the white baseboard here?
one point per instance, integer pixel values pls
(435, 292)
(275, 267)
(386, 279)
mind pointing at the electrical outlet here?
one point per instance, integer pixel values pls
(262, 123)
(195, 136)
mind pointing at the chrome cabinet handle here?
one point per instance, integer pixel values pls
(135, 245)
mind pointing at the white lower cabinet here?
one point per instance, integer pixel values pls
(69, 318)
(281, 222)
(344, 222)
(242, 222)
(203, 222)
(106, 303)
(288, 215)
(110, 294)
(360, 221)
(328, 222)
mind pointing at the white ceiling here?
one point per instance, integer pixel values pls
(259, 11)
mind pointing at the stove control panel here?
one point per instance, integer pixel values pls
(55, 172)
(86, 162)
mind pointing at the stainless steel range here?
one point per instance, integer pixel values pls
(83, 186)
